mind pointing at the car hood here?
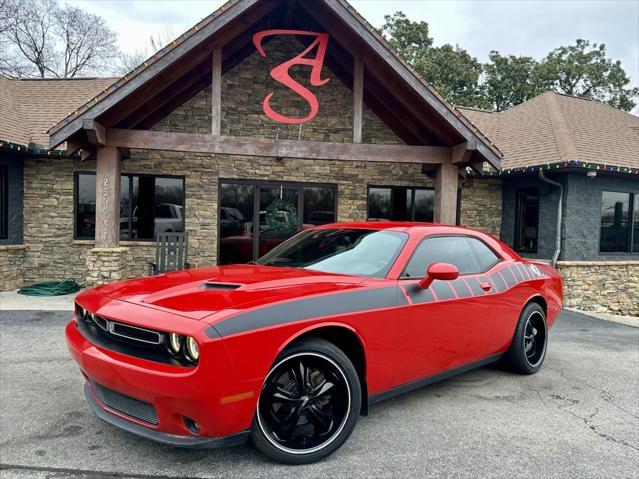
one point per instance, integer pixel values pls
(198, 293)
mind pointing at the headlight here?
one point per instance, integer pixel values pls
(192, 349)
(175, 343)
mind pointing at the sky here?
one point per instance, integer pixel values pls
(517, 27)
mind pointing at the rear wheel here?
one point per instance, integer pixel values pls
(528, 349)
(309, 404)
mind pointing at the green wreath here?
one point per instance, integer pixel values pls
(281, 224)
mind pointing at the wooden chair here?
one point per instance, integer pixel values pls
(170, 254)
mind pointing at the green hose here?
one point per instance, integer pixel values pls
(51, 288)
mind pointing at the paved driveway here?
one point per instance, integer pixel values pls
(578, 417)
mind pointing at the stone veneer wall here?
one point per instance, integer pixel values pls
(11, 267)
(481, 204)
(604, 286)
(48, 204)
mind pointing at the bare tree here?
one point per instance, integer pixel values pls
(40, 38)
(157, 41)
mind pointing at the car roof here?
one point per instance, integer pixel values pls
(400, 226)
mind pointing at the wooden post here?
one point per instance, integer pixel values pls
(107, 197)
(358, 98)
(446, 184)
(216, 90)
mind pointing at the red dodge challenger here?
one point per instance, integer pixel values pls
(292, 349)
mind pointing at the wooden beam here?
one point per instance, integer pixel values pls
(446, 184)
(216, 89)
(87, 153)
(461, 153)
(107, 198)
(96, 132)
(230, 145)
(358, 98)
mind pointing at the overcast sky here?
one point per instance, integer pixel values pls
(519, 27)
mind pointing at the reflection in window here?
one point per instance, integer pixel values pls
(4, 202)
(635, 222)
(279, 217)
(615, 222)
(400, 203)
(527, 220)
(149, 205)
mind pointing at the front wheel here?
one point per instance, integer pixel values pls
(309, 404)
(528, 349)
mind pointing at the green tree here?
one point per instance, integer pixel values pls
(451, 70)
(510, 80)
(455, 74)
(584, 69)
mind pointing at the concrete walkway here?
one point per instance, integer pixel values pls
(12, 301)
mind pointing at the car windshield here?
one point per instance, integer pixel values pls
(360, 252)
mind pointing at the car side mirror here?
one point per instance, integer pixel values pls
(440, 271)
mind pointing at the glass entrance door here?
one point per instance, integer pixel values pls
(279, 216)
(254, 217)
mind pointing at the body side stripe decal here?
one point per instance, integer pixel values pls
(498, 282)
(461, 288)
(508, 276)
(419, 295)
(314, 307)
(443, 290)
(514, 268)
(475, 287)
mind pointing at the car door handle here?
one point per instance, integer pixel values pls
(485, 285)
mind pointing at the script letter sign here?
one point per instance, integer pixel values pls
(280, 73)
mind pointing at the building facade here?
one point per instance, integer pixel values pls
(236, 202)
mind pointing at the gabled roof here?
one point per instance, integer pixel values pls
(28, 107)
(184, 61)
(560, 129)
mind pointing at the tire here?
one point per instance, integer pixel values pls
(309, 403)
(530, 341)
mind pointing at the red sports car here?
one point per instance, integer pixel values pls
(292, 349)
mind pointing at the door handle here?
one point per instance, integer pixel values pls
(485, 285)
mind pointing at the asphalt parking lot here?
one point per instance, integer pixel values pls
(578, 417)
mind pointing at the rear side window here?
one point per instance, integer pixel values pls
(485, 256)
(469, 255)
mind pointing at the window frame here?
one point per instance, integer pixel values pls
(4, 211)
(500, 258)
(76, 174)
(518, 191)
(412, 204)
(256, 185)
(632, 198)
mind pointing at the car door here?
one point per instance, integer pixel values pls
(450, 324)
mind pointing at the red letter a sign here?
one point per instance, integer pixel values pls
(280, 73)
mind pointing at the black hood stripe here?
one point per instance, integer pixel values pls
(314, 307)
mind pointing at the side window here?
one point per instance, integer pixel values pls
(455, 250)
(485, 256)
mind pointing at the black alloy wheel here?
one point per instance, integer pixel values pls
(309, 404)
(535, 338)
(530, 341)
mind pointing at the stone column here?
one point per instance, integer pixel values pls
(104, 265)
(446, 184)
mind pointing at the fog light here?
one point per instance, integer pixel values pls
(192, 350)
(175, 343)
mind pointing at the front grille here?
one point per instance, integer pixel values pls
(140, 410)
(127, 339)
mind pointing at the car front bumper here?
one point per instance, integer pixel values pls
(160, 399)
(236, 439)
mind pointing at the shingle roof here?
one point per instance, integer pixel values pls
(553, 128)
(29, 107)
